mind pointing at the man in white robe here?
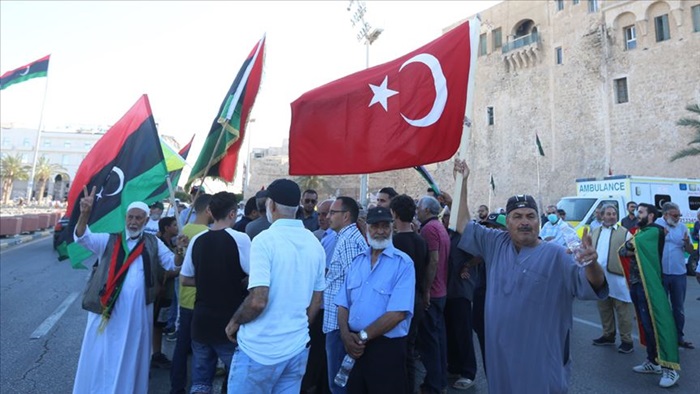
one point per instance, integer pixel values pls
(115, 358)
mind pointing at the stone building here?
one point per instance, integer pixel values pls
(602, 83)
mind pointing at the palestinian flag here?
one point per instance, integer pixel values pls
(539, 144)
(228, 129)
(428, 178)
(35, 69)
(648, 256)
(125, 165)
(175, 175)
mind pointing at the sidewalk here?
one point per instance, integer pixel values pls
(9, 242)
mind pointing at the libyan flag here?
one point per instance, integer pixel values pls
(648, 255)
(35, 69)
(228, 129)
(125, 165)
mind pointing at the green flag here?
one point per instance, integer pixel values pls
(539, 144)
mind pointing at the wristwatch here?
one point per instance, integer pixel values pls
(363, 336)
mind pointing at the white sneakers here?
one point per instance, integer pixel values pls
(647, 367)
(669, 377)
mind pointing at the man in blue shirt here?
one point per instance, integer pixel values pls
(375, 306)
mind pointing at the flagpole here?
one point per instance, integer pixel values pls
(474, 31)
(30, 182)
(172, 203)
(206, 170)
(490, 191)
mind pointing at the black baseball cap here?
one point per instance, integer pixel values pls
(521, 201)
(379, 214)
(283, 191)
(158, 205)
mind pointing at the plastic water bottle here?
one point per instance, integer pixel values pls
(341, 379)
(573, 242)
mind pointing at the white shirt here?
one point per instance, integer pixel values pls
(289, 260)
(616, 283)
(242, 241)
(151, 227)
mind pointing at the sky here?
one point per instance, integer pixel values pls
(185, 55)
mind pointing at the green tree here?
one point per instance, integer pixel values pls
(12, 169)
(315, 182)
(694, 124)
(44, 171)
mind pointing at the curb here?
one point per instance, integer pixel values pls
(23, 239)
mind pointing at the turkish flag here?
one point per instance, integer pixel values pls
(404, 113)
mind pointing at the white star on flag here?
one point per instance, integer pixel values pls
(381, 93)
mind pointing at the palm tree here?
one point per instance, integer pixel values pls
(694, 123)
(313, 182)
(43, 172)
(12, 169)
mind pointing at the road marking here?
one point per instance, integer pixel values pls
(596, 325)
(53, 318)
(18, 246)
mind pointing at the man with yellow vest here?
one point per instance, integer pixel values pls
(607, 239)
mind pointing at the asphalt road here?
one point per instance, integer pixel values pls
(42, 325)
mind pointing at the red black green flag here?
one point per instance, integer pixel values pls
(175, 175)
(230, 123)
(35, 69)
(125, 165)
(428, 178)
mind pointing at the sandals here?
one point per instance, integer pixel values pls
(686, 345)
(463, 384)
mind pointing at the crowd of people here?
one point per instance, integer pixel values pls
(328, 297)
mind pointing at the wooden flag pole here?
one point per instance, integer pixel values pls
(206, 169)
(474, 31)
(172, 203)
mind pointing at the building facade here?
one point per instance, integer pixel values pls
(601, 83)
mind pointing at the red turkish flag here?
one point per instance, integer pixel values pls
(404, 113)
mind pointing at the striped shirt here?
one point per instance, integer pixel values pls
(349, 244)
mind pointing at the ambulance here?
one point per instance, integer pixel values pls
(592, 193)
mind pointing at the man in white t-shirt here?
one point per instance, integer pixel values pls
(286, 283)
(151, 226)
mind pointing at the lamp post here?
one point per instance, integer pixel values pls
(369, 35)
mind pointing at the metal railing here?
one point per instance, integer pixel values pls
(521, 42)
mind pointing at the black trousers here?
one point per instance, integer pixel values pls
(460, 345)
(315, 379)
(381, 369)
(412, 352)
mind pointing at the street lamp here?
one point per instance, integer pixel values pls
(369, 35)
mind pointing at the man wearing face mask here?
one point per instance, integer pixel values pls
(156, 211)
(641, 258)
(673, 261)
(552, 230)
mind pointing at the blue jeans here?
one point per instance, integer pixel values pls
(639, 299)
(204, 357)
(675, 286)
(178, 372)
(249, 377)
(335, 352)
(432, 346)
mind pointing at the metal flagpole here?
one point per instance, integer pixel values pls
(490, 190)
(30, 182)
(539, 191)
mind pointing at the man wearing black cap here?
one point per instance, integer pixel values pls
(271, 327)
(375, 306)
(530, 290)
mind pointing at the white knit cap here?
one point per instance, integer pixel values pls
(138, 205)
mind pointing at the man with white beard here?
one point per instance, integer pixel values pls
(375, 307)
(115, 354)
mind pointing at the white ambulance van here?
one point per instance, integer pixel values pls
(621, 189)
